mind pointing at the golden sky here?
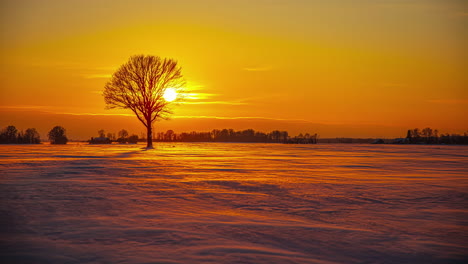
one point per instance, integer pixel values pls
(360, 68)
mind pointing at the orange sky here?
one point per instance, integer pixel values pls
(338, 68)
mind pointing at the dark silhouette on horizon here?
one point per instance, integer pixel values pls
(57, 135)
(10, 135)
(430, 136)
(101, 138)
(123, 135)
(140, 84)
(216, 135)
(123, 138)
(230, 135)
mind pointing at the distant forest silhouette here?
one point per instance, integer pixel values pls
(230, 135)
(11, 135)
(216, 135)
(123, 138)
(431, 136)
(413, 136)
(57, 135)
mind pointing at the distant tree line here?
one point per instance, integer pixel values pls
(430, 136)
(123, 138)
(230, 135)
(11, 135)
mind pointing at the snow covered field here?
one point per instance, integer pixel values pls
(233, 203)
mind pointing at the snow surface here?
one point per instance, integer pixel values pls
(233, 203)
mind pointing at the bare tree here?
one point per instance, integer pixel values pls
(169, 135)
(140, 84)
(111, 136)
(123, 134)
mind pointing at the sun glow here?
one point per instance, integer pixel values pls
(170, 94)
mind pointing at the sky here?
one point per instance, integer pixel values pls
(364, 68)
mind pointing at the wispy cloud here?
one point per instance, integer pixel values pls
(103, 72)
(197, 96)
(94, 114)
(215, 102)
(461, 14)
(394, 85)
(193, 86)
(97, 76)
(448, 101)
(243, 118)
(23, 107)
(49, 110)
(259, 68)
(106, 68)
(204, 99)
(55, 110)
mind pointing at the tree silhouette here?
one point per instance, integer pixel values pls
(133, 139)
(123, 133)
(9, 135)
(140, 84)
(111, 136)
(409, 135)
(102, 133)
(57, 135)
(123, 136)
(31, 136)
(229, 135)
(169, 135)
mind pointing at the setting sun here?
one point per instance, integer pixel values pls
(170, 94)
(285, 131)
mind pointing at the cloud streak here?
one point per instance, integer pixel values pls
(259, 68)
(449, 101)
(461, 14)
(215, 102)
(92, 114)
(97, 76)
(23, 107)
(196, 99)
(55, 111)
(241, 118)
(197, 96)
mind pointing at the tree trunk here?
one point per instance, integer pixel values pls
(149, 136)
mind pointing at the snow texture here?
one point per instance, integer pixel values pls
(233, 203)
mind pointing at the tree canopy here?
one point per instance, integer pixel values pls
(140, 84)
(57, 135)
